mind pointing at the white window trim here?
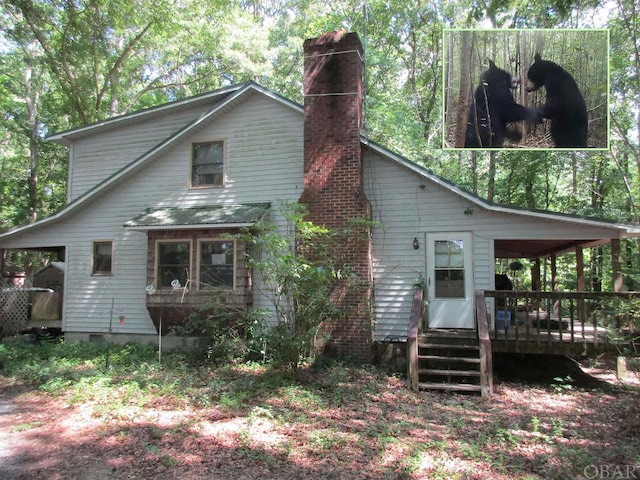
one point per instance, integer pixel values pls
(93, 258)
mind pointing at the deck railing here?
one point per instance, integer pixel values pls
(558, 322)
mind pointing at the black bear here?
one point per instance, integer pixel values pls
(492, 108)
(564, 105)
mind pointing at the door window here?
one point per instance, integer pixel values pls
(449, 269)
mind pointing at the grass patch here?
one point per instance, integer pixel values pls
(183, 420)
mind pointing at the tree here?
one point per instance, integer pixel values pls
(298, 272)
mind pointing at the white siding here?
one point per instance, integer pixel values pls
(96, 158)
(264, 161)
(407, 205)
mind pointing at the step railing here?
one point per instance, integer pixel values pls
(484, 341)
(417, 307)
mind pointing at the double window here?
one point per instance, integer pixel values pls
(215, 265)
(207, 164)
(102, 257)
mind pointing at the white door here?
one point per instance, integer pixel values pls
(450, 280)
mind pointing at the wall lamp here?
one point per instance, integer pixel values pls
(416, 244)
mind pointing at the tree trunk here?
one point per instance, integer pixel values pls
(465, 88)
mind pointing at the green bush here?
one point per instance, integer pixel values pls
(298, 271)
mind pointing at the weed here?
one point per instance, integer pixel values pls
(535, 425)
(326, 440)
(557, 427)
(154, 449)
(232, 401)
(563, 383)
(22, 427)
(169, 461)
(257, 413)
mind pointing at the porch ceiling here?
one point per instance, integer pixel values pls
(539, 248)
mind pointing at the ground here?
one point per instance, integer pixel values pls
(348, 423)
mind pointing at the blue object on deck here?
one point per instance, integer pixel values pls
(500, 319)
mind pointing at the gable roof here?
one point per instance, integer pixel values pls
(631, 229)
(219, 97)
(227, 98)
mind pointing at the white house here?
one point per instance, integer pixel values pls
(151, 192)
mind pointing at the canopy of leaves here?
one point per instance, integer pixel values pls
(68, 63)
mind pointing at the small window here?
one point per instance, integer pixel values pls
(102, 258)
(173, 263)
(217, 262)
(207, 164)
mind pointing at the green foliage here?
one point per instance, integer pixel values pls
(86, 61)
(563, 383)
(58, 365)
(298, 270)
(298, 267)
(224, 333)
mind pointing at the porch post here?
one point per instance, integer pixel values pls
(580, 269)
(535, 275)
(616, 273)
(3, 259)
(554, 273)
(554, 282)
(581, 284)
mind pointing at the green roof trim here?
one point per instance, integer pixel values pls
(212, 216)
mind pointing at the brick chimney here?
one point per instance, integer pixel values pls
(333, 192)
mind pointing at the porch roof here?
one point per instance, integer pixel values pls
(505, 248)
(202, 216)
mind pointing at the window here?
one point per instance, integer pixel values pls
(449, 268)
(173, 260)
(217, 261)
(207, 164)
(102, 258)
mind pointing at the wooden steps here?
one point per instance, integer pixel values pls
(449, 360)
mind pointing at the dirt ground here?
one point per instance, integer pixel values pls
(55, 438)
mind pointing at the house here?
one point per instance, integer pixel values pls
(153, 193)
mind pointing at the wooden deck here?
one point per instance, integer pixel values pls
(569, 323)
(584, 323)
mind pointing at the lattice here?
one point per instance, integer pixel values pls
(14, 310)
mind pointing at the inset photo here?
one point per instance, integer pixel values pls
(526, 89)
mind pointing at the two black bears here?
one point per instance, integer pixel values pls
(493, 107)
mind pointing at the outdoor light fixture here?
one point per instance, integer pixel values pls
(416, 244)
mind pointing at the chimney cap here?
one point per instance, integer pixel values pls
(336, 37)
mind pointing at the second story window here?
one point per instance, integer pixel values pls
(207, 164)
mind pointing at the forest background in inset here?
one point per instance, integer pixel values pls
(583, 53)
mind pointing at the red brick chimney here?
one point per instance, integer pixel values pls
(333, 193)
